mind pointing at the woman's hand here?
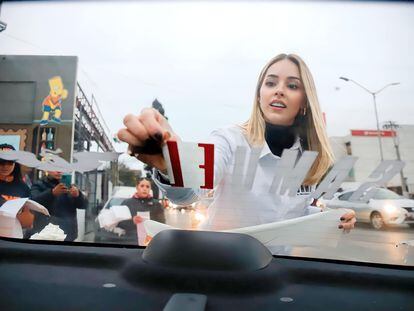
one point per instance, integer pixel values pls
(74, 192)
(25, 217)
(347, 221)
(145, 134)
(59, 190)
(137, 219)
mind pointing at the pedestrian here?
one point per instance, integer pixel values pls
(285, 115)
(141, 201)
(13, 187)
(61, 202)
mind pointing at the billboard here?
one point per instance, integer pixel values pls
(372, 133)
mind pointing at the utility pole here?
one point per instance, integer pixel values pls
(391, 125)
(374, 97)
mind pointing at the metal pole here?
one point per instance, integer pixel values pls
(375, 105)
(403, 183)
(378, 129)
(394, 126)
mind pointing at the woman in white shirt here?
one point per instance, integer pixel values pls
(285, 115)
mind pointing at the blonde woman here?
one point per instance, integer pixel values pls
(285, 115)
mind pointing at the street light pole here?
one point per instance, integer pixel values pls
(374, 96)
(378, 129)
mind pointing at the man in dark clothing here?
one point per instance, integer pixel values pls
(61, 203)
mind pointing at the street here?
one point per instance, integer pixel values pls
(368, 245)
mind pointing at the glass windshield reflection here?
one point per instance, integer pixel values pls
(295, 135)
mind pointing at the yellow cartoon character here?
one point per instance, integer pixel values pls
(52, 104)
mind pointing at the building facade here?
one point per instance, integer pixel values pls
(364, 144)
(43, 107)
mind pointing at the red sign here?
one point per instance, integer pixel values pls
(372, 133)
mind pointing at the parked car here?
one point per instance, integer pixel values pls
(385, 208)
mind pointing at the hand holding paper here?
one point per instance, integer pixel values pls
(12, 207)
(137, 219)
(146, 133)
(9, 225)
(109, 218)
(141, 231)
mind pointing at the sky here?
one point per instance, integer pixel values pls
(201, 59)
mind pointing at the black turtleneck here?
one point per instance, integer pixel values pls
(280, 137)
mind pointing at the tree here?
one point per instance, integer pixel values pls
(128, 177)
(158, 106)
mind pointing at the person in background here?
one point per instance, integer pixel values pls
(142, 201)
(13, 187)
(61, 202)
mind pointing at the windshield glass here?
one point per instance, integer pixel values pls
(115, 201)
(383, 194)
(226, 116)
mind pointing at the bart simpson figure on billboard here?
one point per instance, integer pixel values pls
(52, 104)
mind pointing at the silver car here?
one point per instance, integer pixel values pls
(385, 208)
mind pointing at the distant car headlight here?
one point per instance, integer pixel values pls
(389, 208)
(199, 217)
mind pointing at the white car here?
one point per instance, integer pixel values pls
(385, 208)
(119, 194)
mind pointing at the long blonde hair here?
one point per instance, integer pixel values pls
(315, 134)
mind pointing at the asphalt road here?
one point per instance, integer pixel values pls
(368, 245)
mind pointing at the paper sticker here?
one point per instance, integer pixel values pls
(9, 225)
(190, 165)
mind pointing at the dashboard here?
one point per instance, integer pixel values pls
(42, 275)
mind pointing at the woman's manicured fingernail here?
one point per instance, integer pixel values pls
(158, 136)
(342, 218)
(167, 135)
(340, 226)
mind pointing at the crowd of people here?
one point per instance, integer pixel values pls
(62, 201)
